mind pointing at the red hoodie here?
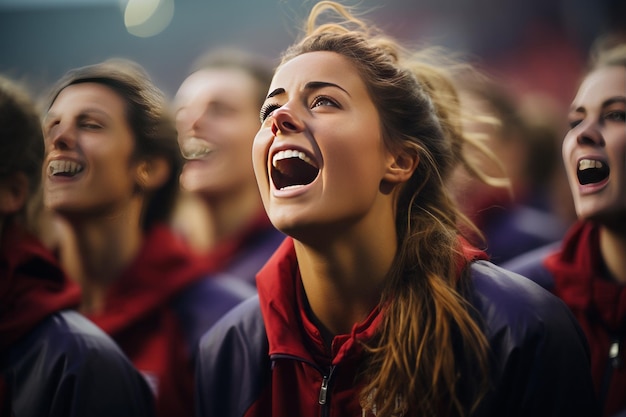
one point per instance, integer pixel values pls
(599, 304)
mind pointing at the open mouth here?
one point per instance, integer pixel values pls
(591, 171)
(194, 148)
(292, 168)
(60, 168)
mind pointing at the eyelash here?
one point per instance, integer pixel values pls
(611, 116)
(268, 108)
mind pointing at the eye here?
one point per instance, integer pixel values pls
(266, 110)
(573, 123)
(323, 101)
(91, 125)
(615, 116)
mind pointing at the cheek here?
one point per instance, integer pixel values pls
(259, 159)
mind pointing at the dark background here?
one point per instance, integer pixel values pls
(532, 45)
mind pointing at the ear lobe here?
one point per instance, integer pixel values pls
(401, 167)
(152, 173)
(13, 193)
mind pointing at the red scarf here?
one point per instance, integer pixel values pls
(32, 285)
(598, 303)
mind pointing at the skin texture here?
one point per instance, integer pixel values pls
(218, 110)
(217, 107)
(598, 132)
(319, 105)
(86, 125)
(103, 203)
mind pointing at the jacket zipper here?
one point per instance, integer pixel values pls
(323, 397)
(613, 363)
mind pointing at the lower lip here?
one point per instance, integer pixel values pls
(290, 192)
(592, 188)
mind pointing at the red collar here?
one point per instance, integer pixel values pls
(579, 278)
(32, 285)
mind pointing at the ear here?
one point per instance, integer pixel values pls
(152, 173)
(13, 193)
(400, 166)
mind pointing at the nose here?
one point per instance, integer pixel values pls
(189, 118)
(589, 134)
(285, 121)
(62, 136)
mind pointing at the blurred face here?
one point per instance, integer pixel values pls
(88, 143)
(217, 116)
(319, 156)
(594, 149)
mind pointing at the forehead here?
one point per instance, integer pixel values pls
(601, 84)
(216, 81)
(318, 66)
(92, 95)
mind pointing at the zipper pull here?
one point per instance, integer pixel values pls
(323, 391)
(616, 361)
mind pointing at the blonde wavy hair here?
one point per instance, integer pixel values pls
(431, 357)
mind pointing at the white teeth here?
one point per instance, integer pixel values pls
(194, 148)
(291, 153)
(584, 164)
(64, 167)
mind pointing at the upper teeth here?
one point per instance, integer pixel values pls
(56, 167)
(291, 153)
(589, 163)
(194, 148)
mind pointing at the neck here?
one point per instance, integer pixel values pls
(613, 249)
(344, 277)
(218, 218)
(98, 249)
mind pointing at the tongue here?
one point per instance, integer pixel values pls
(293, 171)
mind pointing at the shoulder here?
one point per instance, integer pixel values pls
(241, 325)
(504, 297)
(531, 264)
(68, 360)
(204, 302)
(233, 362)
(531, 333)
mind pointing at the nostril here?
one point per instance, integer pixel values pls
(288, 125)
(274, 129)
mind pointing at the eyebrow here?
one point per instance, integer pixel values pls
(605, 103)
(83, 113)
(312, 85)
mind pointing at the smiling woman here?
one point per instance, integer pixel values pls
(376, 305)
(111, 172)
(588, 270)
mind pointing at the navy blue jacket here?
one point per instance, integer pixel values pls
(540, 361)
(67, 367)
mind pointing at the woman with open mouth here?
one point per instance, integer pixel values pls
(375, 305)
(49, 353)
(588, 268)
(111, 173)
